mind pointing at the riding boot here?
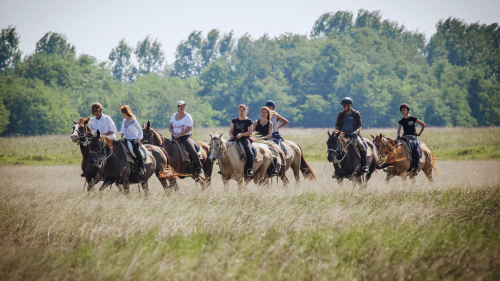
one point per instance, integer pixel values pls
(275, 166)
(364, 161)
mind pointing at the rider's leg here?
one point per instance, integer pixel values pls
(135, 147)
(362, 151)
(415, 155)
(275, 161)
(248, 151)
(188, 141)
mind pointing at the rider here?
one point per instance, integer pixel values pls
(181, 125)
(241, 129)
(101, 122)
(275, 118)
(264, 127)
(132, 131)
(349, 122)
(409, 131)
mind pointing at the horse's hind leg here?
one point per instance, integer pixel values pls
(285, 180)
(296, 172)
(428, 174)
(145, 187)
(104, 186)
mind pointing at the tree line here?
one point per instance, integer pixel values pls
(452, 80)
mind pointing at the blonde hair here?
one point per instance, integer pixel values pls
(268, 112)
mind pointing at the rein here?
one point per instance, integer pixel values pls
(385, 155)
(101, 154)
(84, 135)
(219, 153)
(340, 148)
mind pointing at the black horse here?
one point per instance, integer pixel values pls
(111, 155)
(346, 162)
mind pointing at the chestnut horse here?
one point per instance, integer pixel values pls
(394, 157)
(110, 154)
(152, 136)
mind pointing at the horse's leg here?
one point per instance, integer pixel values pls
(126, 187)
(225, 182)
(388, 176)
(340, 181)
(285, 180)
(241, 182)
(104, 185)
(296, 170)
(145, 187)
(208, 167)
(428, 169)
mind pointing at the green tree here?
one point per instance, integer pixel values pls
(9, 52)
(53, 43)
(123, 70)
(149, 56)
(4, 116)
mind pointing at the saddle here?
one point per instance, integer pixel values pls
(406, 144)
(129, 153)
(368, 149)
(241, 150)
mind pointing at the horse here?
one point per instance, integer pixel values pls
(346, 162)
(153, 137)
(396, 160)
(295, 161)
(81, 136)
(111, 155)
(232, 167)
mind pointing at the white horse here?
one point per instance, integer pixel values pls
(232, 167)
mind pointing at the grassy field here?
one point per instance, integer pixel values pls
(446, 143)
(50, 229)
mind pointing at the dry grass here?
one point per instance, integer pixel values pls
(51, 229)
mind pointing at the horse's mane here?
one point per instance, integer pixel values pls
(108, 141)
(83, 119)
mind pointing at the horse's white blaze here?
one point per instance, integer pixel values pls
(212, 156)
(75, 129)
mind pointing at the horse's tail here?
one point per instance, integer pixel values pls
(168, 173)
(306, 170)
(434, 163)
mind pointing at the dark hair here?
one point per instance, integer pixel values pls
(242, 105)
(95, 106)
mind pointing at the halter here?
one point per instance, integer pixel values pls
(220, 154)
(384, 155)
(80, 135)
(340, 148)
(151, 137)
(101, 154)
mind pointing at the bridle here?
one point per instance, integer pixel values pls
(101, 154)
(386, 152)
(150, 139)
(338, 151)
(219, 154)
(86, 135)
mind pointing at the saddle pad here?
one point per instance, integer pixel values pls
(142, 149)
(182, 151)
(196, 147)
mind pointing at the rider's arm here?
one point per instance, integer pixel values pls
(358, 117)
(248, 133)
(186, 131)
(139, 130)
(399, 130)
(231, 127)
(283, 120)
(122, 130)
(337, 122)
(111, 126)
(421, 124)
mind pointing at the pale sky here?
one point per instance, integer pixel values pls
(95, 27)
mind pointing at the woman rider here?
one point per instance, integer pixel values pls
(264, 127)
(132, 131)
(409, 131)
(275, 118)
(181, 125)
(241, 128)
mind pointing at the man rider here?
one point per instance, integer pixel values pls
(349, 122)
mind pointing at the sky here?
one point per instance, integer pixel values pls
(96, 27)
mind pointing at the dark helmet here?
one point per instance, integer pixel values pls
(404, 105)
(271, 103)
(346, 100)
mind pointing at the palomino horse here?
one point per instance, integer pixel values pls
(111, 155)
(395, 158)
(81, 136)
(152, 136)
(232, 167)
(345, 160)
(295, 161)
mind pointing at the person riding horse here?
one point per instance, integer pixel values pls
(349, 122)
(101, 122)
(181, 125)
(264, 127)
(240, 130)
(409, 132)
(275, 119)
(131, 131)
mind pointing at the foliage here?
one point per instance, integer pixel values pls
(120, 62)
(9, 52)
(149, 56)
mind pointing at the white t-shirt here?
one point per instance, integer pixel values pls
(104, 124)
(181, 125)
(131, 130)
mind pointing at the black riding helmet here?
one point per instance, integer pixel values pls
(346, 100)
(271, 103)
(404, 105)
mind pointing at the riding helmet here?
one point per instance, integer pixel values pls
(271, 103)
(346, 100)
(95, 106)
(404, 105)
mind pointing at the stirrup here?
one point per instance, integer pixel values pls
(364, 169)
(142, 171)
(250, 172)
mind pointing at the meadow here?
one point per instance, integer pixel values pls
(50, 229)
(445, 143)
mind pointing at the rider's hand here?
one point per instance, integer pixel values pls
(419, 134)
(238, 136)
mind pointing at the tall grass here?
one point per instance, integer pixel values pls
(51, 229)
(445, 143)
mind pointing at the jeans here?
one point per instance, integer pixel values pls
(188, 141)
(414, 152)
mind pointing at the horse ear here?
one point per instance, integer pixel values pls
(221, 135)
(143, 125)
(98, 134)
(148, 125)
(75, 121)
(86, 121)
(381, 135)
(373, 137)
(211, 135)
(329, 133)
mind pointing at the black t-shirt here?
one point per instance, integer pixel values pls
(409, 125)
(241, 126)
(262, 130)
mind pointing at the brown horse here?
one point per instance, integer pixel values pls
(152, 136)
(294, 159)
(110, 154)
(81, 136)
(394, 157)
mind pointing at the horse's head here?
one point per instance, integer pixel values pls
(216, 146)
(382, 143)
(81, 131)
(335, 144)
(147, 133)
(97, 148)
